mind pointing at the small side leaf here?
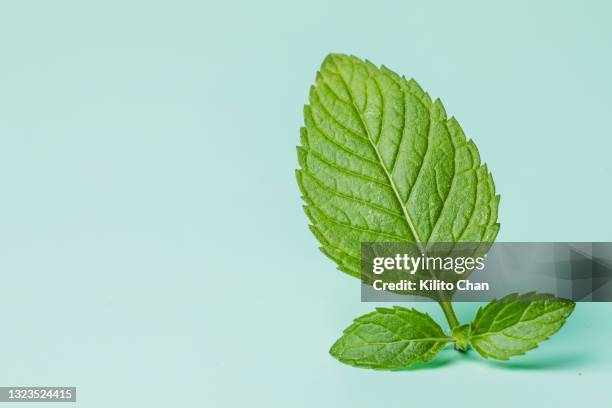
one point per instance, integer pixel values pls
(516, 324)
(389, 339)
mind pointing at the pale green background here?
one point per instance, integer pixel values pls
(153, 251)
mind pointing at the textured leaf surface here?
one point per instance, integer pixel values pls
(381, 162)
(390, 339)
(516, 324)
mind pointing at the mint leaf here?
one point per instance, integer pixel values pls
(516, 324)
(390, 339)
(380, 162)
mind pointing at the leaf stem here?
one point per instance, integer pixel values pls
(450, 315)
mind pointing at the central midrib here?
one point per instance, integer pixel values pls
(407, 216)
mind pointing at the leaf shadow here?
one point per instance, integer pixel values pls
(450, 356)
(551, 362)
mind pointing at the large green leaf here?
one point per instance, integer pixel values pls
(516, 324)
(390, 339)
(381, 162)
